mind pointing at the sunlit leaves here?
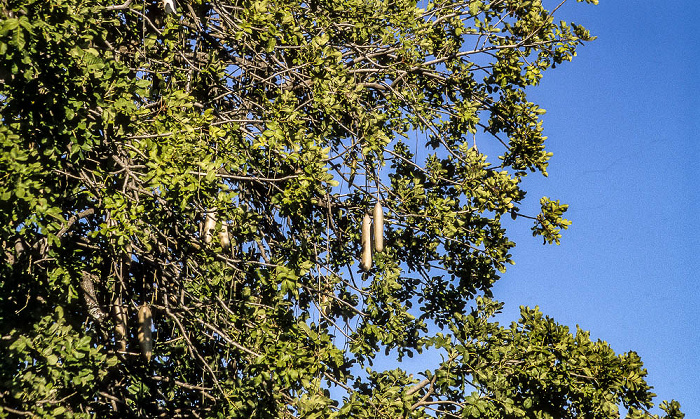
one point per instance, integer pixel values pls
(550, 221)
(58, 364)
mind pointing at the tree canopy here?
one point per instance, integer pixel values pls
(216, 167)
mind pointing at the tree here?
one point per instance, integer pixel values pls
(210, 170)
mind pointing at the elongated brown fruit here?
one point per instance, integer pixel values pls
(120, 323)
(145, 337)
(378, 227)
(209, 225)
(224, 238)
(126, 259)
(366, 263)
(325, 305)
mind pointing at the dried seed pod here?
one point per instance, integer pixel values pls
(120, 316)
(224, 238)
(366, 263)
(209, 225)
(378, 227)
(145, 337)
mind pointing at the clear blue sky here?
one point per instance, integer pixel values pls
(623, 123)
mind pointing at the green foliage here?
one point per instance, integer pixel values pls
(216, 163)
(550, 221)
(60, 368)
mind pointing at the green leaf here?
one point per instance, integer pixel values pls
(475, 7)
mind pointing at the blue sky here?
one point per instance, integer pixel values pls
(623, 121)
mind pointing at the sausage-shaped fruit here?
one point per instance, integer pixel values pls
(209, 225)
(366, 263)
(120, 323)
(224, 238)
(145, 337)
(325, 305)
(378, 227)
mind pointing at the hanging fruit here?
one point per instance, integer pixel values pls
(169, 6)
(120, 316)
(145, 337)
(366, 262)
(209, 225)
(378, 227)
(224, 238)
(325, 305)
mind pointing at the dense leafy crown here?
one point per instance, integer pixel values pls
(136, 144)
